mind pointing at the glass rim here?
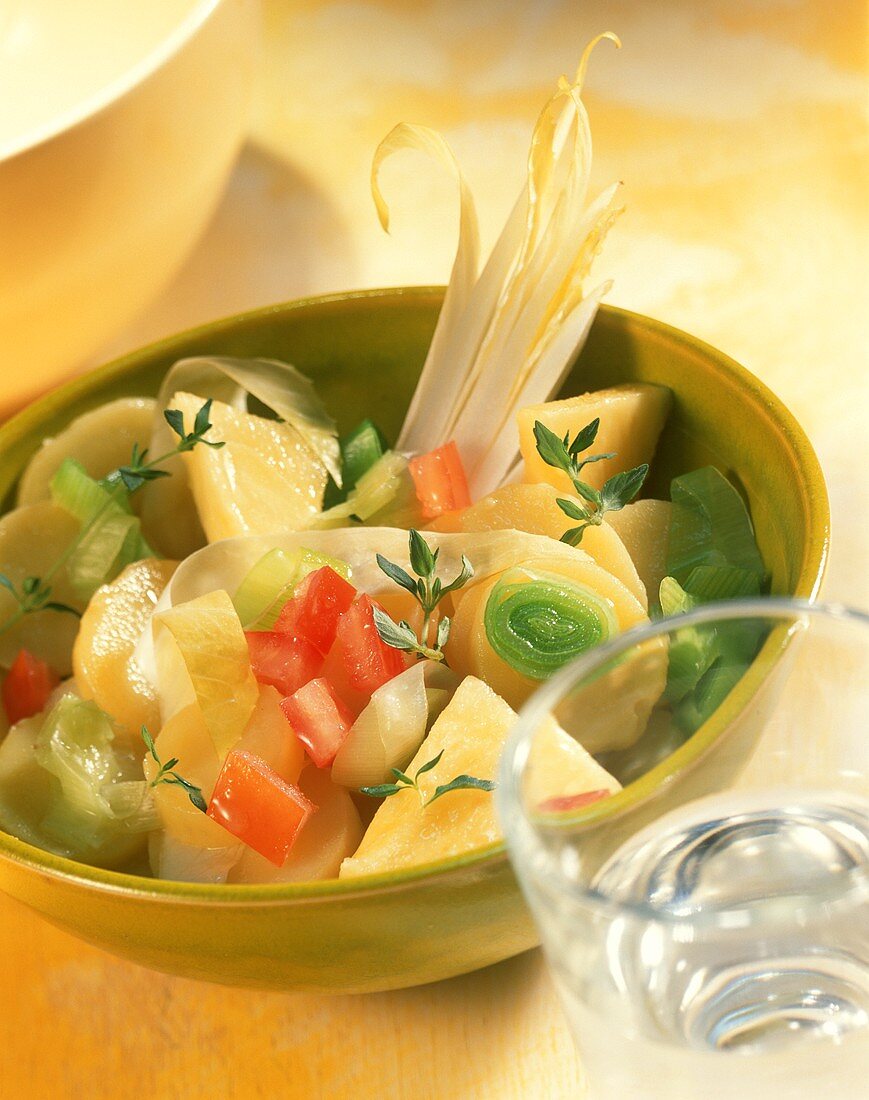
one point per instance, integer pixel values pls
(520, 834)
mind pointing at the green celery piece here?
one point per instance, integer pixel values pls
(360, 449)
(102, 553)
(113, 535)
(272, 581)
(75, 745)
(65, 787)
(710, 526)
(712, 555)
(73, 489)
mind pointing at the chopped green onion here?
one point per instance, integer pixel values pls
(538, 622)
(272, 581)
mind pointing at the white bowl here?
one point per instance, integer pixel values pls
(119, 123)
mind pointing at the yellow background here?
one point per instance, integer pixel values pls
(739, 129)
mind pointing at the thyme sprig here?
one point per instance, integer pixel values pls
(404, 782)
(563, 454)
(34, 593)
(169, 776)
(428, 590)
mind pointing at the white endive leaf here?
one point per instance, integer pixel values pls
(428, 400)
(279, 386)
(514, 331)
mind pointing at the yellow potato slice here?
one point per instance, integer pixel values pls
(102, 658)
(470, 732)
(644, 528)
(534, 508)
(264, 480)
(631, 419)
(101, 440)
(32, 539)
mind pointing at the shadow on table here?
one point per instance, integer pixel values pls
(274, 236)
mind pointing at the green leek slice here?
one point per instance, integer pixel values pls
(537, 623)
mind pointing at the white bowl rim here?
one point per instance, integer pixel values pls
(198, 15)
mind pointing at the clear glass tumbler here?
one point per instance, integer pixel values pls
(708, 924)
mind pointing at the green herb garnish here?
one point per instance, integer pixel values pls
(168, 775)
(34, 596)
(563, 454)
(428, 590)
(35, 592)
(404, 782)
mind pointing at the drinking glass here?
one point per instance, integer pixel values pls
(707, 925)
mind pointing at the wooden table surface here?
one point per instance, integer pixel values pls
(739, 130)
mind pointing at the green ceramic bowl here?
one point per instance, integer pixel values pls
(365, 350)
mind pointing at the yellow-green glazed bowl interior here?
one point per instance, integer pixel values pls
(364, 351)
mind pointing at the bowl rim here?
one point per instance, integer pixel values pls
(485, 859)
(93, 105)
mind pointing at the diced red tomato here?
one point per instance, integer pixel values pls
(368, 660)
(254, 804)
(571, 801)
(27, 686)
(281, 660)
(320, 718)
(315, 608)
(440, 481)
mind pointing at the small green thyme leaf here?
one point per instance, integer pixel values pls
(433, 763)
(397, 574)
(462, 783)
(428, 590)
(405, 783)
(622, 488)
(53, 605)
(563, 454)
(584, 438)
(572, 509)
(383, 791)
(169, 776)
(422, 560)
(175, 419)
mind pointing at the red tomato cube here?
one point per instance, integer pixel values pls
(254, 804)
(368, 660)
(440, 481)
(27, 686)
(281, 660)
(315, 608)
(571, 801)
(321, 720)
